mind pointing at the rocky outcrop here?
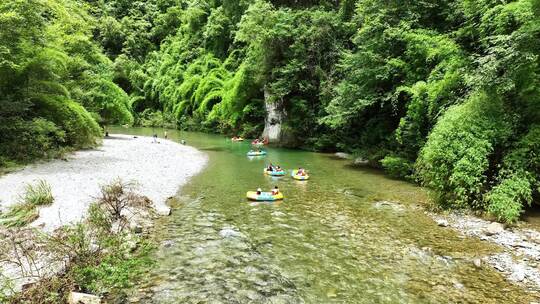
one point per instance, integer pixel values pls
(276, 115)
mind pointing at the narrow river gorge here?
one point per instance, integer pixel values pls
(347, 235)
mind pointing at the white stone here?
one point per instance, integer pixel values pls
(228, 232)
(342, 155)
(361, 162)
(442, 222)
(518, 274)
(82, 298)
(494, 228)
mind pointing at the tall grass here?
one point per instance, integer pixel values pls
(26, 210)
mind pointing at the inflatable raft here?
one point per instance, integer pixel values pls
(264, 196)
(256, 153)
(274, 172)
(296, 176)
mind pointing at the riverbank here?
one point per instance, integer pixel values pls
(519, 259)
(158, 169)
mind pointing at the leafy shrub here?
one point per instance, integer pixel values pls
(80, 128)
(25, 140)
(151, 118)
(397, 166)
(518, 178)
(455, 160)
(505, 200)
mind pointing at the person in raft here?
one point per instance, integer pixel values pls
(278, 168)
(259, 191)
(301, 172)
(275, 190)
(270, 167)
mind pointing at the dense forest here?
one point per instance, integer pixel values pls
(443, 92)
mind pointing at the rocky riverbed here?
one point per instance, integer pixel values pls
(519, 259)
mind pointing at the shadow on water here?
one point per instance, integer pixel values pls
(214, 149)
(531, 216)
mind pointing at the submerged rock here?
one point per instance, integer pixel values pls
(229, 233)
(168, 244)
(389, 205)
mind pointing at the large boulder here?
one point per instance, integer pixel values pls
(493, 228)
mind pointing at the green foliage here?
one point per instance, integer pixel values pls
(397, 166)
(455, 161)
(26, 210)
(114, 272)
(101, 255)
(52, 75)
(518, 179)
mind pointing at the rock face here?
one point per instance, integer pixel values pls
(273, 123)
(82, 298)
(275, 115)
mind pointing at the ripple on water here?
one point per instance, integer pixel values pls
(214, 261)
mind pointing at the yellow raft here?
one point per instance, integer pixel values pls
(264, 196)
(296, 176)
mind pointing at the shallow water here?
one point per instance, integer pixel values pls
(345, 236)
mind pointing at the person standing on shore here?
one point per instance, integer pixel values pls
(165, 135)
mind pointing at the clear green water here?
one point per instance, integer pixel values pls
(329, 241)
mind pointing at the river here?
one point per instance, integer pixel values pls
(347, 235)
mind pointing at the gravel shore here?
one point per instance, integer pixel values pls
(159, 169)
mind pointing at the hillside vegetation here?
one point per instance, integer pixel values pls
(443, 92)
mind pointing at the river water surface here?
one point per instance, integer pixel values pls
(347, 235)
